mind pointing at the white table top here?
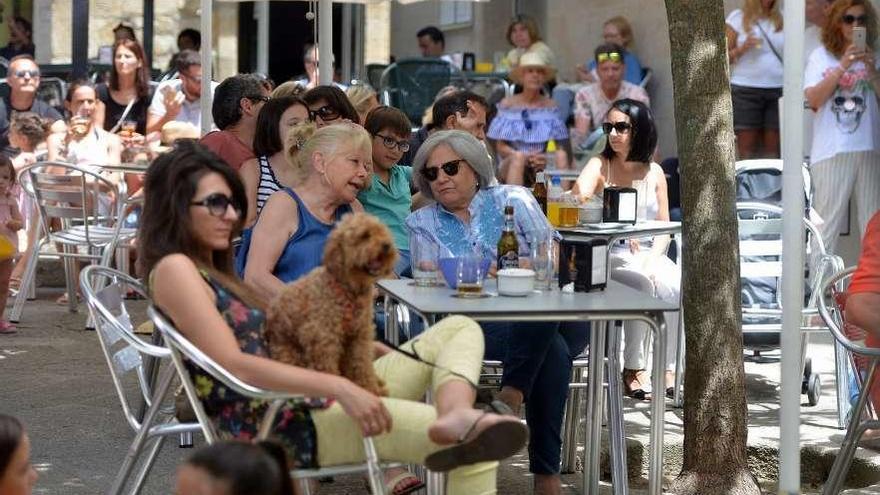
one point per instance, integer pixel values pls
(616, 298)
(598, 230)
(134, 168)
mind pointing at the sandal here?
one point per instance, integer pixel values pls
(634, 384)
(402, 484)
(7, 328)
(498, 441)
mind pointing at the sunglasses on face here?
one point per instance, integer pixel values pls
(450, 168)
(217, 204)
(620, 127)
(612, 56)
(849, 19)
(21, 74)
(327, 114)
(390, 143)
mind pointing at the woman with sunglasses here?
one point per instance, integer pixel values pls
(328, 104)
(626, 162)
(453, 169)
(754, 46)
(525, 123)
(271, 171)
(331, 166)
(193, 205)
(842, 86)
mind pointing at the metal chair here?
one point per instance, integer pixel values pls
(863, 417)
(412, 84)
(90, 209)
(130, 359)
(760, 230)
(182, 348)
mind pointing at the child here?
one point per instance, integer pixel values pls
(235, 468)
(10, 223)
(27, 132)
(388, 196)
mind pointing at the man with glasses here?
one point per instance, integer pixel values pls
(237, 101)
(179, 99)
(594, 101)
(24, 79)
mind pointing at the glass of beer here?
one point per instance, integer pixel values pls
(469, 276)
(569, 212)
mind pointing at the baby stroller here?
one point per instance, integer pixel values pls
(759, 212)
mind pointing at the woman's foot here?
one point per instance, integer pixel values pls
(635, 384)
(399, 481)
(64, 299)
(670, 384)
(6, 327)
(478, 436)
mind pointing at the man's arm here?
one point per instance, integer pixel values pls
(863, 311)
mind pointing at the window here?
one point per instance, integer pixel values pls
(456, 13)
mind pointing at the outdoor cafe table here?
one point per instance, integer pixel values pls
(616, 302)
(127, 168)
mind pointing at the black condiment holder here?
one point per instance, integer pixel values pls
(585, 263)
(620, 205)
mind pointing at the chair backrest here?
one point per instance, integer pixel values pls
(412, 84)
(128, 356)
(374, 73)
(181, 348)
(77, 196)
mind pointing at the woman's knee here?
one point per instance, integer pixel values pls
(459, 328)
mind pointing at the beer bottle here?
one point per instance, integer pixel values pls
(540, 192)
(508, 246)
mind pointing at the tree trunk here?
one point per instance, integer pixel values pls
(715, 413)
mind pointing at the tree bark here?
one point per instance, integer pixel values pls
(715, 413)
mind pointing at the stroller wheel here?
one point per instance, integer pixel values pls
(814, 389)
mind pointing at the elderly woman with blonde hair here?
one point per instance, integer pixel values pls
(331, 167)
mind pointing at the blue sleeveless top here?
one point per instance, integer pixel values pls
(305, 248)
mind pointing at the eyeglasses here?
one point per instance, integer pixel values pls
(184, 75)
(390, 143)
(217, 204)
(327, 114)
(849, 19)
(264, 99)
(22, 74)
(620, 127)
(612, 56)
(450, 168)
(526, 121)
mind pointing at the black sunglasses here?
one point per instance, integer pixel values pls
(21, 74)
(450, 168)
(327, 114)
(390, 143)
(849, 19)
(217, 204)
(620, 127)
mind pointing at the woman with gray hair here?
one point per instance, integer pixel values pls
(452, 168)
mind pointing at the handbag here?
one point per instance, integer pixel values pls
(769, 43)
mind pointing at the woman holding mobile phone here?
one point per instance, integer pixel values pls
(842, 85)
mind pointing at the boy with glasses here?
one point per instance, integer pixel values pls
(24, 79)
(179, 99)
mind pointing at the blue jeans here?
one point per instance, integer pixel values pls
(402, 268)
(537, 360)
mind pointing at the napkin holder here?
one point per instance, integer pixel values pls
(619, 204)
(584, 263)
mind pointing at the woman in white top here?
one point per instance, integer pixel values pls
(754, 47)
(85, 144)
(639, 263)
(522, 33)
(842, 85)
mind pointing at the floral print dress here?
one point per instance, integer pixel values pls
(235, 416)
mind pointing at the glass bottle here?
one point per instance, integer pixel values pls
(540, 191)
(508, 245)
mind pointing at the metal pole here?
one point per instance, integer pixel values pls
(325, 42)
(792, 246)
(80, 39)
(347, 35)
(206, 26)
(149, 18)
(261, 13)
(358, 29)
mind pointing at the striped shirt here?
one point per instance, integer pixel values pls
(268, 183)
(456, 238)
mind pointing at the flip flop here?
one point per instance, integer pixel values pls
(498, 441)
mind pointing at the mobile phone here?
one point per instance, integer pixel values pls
(859, 37)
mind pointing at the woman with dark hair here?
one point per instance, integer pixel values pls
(235, 468)
(626, 162)
(17, 475)
(128, 94)
(271, 171)
(194, 203)
(327, 104)
(842, 84)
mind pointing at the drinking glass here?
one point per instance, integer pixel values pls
(469, 276)
(424, 260)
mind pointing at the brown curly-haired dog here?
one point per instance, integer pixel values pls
(324, 320)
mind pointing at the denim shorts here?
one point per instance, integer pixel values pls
(755, 108)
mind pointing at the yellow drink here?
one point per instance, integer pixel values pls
(568, 216)
(553, 213)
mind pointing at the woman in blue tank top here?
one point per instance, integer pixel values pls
(332, 167)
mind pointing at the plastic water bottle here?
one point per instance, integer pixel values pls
(550, 155)
(554, 200)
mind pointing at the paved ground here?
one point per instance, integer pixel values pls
(54, 377)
